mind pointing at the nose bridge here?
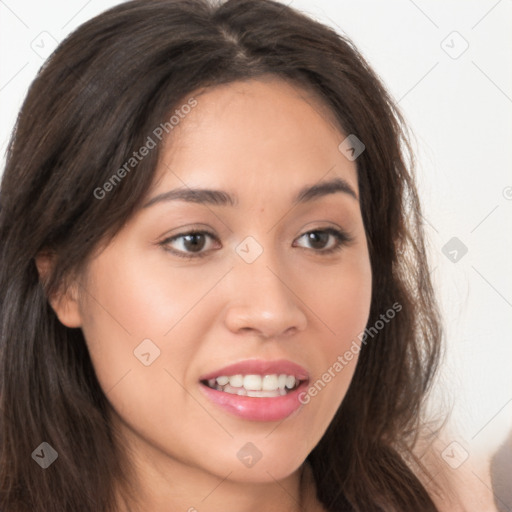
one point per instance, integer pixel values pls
(262, 299)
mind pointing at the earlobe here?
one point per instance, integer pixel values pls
(66, 307)
(63, 301)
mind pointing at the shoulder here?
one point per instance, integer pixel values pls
(459, 487)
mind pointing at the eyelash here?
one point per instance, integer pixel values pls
(342, 239)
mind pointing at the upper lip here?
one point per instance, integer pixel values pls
(260, 367)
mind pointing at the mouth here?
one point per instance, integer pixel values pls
(255, 386)
(257, 390)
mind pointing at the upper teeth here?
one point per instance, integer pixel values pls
(256, 382)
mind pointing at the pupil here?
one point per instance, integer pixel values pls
(318, 240)
(194, 242)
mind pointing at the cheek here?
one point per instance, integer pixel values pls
(339, 297)
(129, 300)
(144, 325)
(340, 304)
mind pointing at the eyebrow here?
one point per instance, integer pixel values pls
(222, 198)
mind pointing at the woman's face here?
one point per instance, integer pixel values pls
(276, 281)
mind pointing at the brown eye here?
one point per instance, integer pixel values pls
(194, 242)
(325, 240)
(318, 239)
(191, 244)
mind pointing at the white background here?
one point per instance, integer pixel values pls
(460, 110)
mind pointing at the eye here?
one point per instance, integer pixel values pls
(191, 244)
(325, 241)
(197, 244)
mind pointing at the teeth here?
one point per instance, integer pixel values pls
(252, 382)
(264, 394)
(222, 381)
(270, 383)
(255, 385)
(290, 382)
(237, 381)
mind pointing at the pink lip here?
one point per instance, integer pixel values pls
(253, 408)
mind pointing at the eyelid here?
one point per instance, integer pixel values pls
(342, 239)
(341, 236)
(190, 231)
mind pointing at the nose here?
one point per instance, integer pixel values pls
(262, 302)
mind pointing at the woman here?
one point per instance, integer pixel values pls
(215, 288)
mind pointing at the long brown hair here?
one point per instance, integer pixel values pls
(94, 103)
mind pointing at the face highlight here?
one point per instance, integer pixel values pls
(247, 274)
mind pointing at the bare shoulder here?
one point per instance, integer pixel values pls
(456, 480)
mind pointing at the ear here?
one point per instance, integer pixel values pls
(65, 300)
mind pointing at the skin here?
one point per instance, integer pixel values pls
(261, 141)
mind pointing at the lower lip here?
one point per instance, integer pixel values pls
(254, 408)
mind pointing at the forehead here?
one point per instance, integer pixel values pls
(262, 135)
